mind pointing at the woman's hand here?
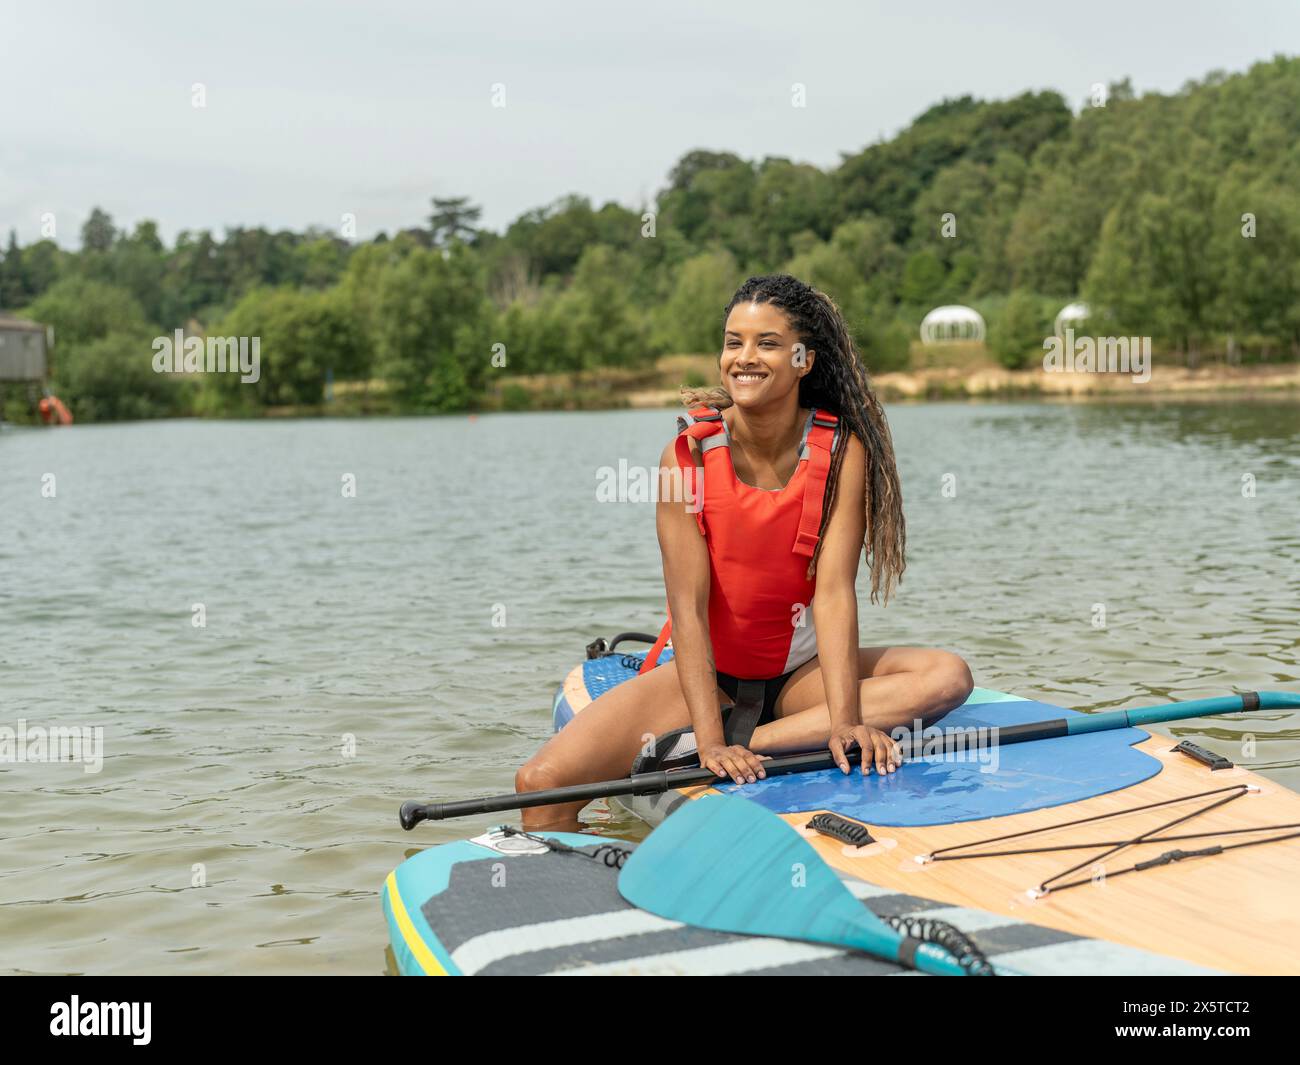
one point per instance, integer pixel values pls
(875, 745)
(735, 761)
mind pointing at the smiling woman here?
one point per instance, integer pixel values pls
(790, 473)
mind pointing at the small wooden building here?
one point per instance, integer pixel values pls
(23, 347)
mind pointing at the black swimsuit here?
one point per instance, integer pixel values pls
(754, 705)
(771, 692)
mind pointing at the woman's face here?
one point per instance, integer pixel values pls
(762, 357)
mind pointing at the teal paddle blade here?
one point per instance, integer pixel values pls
(726, 864)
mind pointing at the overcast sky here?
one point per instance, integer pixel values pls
(315, 110)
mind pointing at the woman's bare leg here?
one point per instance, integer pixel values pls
(602, 740)
(899, 685)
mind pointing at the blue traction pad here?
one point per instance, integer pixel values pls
(601, 674)
(1008, 780)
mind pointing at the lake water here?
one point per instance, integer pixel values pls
(406, 641)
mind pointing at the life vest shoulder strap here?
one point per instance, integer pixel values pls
(705, 425)
(702, 423)
(819, 446)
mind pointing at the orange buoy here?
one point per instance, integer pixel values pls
(53, 411)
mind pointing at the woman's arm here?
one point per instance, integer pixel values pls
(686, 579)
(835, 606)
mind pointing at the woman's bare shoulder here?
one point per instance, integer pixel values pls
(855, 450)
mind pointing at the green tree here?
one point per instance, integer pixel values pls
(13, 283)
(302, 337)
(868, 246)
(138, 263)
(553, 238)
(884, 341)
(1152, 274)
(111, 378)
(97, 234)
(789, 199)
(601, 325)
(102, 360)
(453, 219)
(1257, 242)
(82, 311)
(321, 262)
(1017, 333)
(887, 177)
(690, 320)
(434, 329)
(924, 280)
(710, 200)
(43, 263)
(535, 336)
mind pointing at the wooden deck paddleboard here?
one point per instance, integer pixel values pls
(1234, 911)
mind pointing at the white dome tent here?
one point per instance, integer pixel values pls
(952, 322)
(1071, 315)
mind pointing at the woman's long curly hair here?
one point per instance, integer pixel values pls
(837, 383)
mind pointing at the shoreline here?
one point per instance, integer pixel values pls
(1277, 382)
(1213, 381)
(658, 387)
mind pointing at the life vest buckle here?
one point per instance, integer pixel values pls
(805, 543)
(826, 421)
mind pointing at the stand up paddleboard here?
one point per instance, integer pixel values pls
(1118, 835)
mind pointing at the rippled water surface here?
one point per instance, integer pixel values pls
(428, 620)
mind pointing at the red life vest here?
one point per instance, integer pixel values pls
(760, 543)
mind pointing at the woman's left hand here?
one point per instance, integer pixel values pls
(875, 745)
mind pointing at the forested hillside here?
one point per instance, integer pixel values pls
(1174, 216)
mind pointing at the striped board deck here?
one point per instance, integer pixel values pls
(503, 907)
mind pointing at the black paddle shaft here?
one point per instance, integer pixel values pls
(412, 813)
(931, 743)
